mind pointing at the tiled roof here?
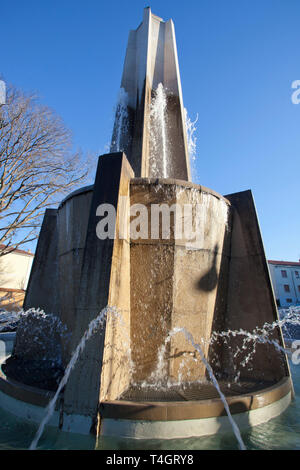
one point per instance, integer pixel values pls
(23, 252)
(284, 263)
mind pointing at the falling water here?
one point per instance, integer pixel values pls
(158, 131)
(94, 326)
(235, 428)
(260, 335)
(160, 380)
(198, 348)
(191, 128)
(159, 377)
(121, 126)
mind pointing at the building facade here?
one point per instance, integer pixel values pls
(14, 275)
(285, 277)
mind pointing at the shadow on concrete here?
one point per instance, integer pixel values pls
(215, 352)
(209, 281)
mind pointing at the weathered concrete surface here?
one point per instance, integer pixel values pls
(151, 59)
(198, 409)
(116, 368)
(43, 286)
(250, 298)
(174, 281)
(199, 269)
(73, 216)
(217, 281)
(99, 286)
(151, 277)
(42, 293)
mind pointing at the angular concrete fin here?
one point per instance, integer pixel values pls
(151, 59)
(104, 281)
(251, 301)
(43, 286)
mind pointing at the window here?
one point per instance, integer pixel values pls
(289, 301)
(297, 274)
(283, 273)
(299, 288)
(286, 288)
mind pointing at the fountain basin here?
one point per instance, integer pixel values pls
(226, 250)
(152, 419)
(174, 291)
(24, 401)
(175, 420)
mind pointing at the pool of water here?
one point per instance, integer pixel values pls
(281, 433)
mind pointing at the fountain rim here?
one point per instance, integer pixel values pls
(158, 410)
(151, 182)
(23, 392)
(77, 192)
(195, 409)
(177, 182)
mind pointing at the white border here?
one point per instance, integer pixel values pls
(179, 429)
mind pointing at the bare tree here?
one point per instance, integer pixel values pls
(37, 167)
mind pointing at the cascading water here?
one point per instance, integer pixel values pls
(92, 328)
(191, 128)
(290, 322)
(121, 128)
(198, 348)
(158, 130)
(159, 379)
(159, 151)
(259, 335)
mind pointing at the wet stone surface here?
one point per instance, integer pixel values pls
(190, 392)
(42, 374)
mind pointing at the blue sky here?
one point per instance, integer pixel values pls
(237, 58)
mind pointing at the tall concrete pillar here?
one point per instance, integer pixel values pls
(104, 282)
(42, 291)
(175, 279)
(43, 286)
(73, 214)
(151, 59)
(250, 297)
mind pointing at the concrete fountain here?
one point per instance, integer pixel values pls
(168, 356)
